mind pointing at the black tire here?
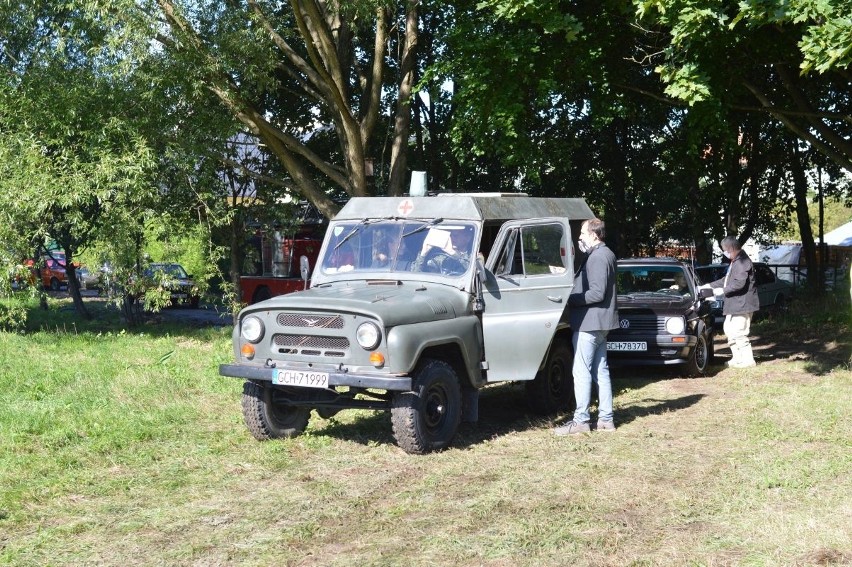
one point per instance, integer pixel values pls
(552, 389)
(427, 418)
(194, 301)
(54, 284)
(701, 356)
(780, 305)
(267, 420)
(261, 294)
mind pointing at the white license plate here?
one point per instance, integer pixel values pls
(300, 378)
(626, 345)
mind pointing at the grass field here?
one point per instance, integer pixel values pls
(127, 448)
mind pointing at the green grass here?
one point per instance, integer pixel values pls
(126, 448)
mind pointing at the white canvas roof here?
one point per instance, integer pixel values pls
(841, 236)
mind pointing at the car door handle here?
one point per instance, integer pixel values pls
(555, 298)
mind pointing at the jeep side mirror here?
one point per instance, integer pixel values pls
(480, 269)
(478, 299)
(305, 269)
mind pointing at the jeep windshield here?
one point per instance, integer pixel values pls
(661, 281)
(399, 246)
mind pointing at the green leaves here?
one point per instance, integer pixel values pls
(550, 15)
(686, 83)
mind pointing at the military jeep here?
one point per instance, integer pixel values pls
(414, 305)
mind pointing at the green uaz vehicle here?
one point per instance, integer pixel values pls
(414, 305)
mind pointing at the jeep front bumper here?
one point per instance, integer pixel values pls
(353, 380)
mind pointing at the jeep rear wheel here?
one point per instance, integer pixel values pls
(267, 420)
(700, 357)
(553, 387)
(427, 418)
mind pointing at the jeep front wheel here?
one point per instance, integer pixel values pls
(267, 420)
(427, 418)
(553, 387)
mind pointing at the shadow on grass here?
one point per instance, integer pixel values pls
(814, 329)
(647, 407)
(502, 411)
(61, 318)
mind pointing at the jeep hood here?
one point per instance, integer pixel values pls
(394, 302)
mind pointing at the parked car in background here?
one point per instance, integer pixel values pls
(774, 293)
(52, 267)
(88, 279)
(175, 278)
(662, 317)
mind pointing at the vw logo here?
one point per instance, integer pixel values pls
(310, 322)
(624, 324)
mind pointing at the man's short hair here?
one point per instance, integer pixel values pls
(597, 227)
(730, 243)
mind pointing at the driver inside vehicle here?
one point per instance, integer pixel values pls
(446, 250)
(680, 285)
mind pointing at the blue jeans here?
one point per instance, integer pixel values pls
(590, 365)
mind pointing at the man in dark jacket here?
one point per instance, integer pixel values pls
(593, 314)
(741, 301)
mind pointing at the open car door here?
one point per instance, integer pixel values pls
(528, 278)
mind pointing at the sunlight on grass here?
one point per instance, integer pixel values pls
(125, 447)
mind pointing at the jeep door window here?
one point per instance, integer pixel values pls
(532, 251)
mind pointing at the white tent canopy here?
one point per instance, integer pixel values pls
(841, 236)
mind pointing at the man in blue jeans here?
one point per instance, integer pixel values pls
(593, 314)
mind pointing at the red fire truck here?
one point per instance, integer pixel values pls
(279, 270)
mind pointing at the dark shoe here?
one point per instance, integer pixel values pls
(606, 425)
(571, 428)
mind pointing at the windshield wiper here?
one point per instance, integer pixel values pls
(354, 231)
(423, 227)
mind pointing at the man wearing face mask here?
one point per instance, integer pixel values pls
(593, 314)
(741, 301)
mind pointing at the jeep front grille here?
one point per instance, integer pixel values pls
(311, 345)
(310, 321)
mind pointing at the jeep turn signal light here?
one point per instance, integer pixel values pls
(377, 359)
(247, 351)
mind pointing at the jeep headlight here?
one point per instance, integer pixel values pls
(675, 325)
(252, 329)
(368, 335)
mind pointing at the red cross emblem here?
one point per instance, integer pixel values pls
(405, 207)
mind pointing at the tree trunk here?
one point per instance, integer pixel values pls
(74, 285)
(616, 205)
(800, 192)
(399, 147)
(131, 310)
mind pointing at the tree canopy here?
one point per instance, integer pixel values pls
(675, 120)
